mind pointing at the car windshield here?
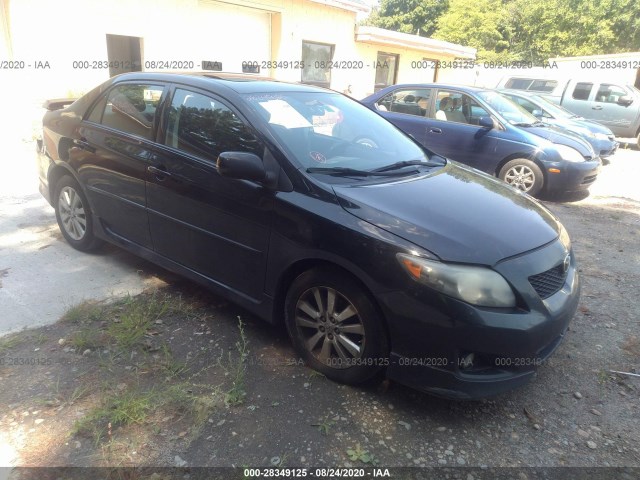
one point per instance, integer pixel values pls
(509, 110)
(332, 133)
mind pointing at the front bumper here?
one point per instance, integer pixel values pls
(432, 336)
(573, 176)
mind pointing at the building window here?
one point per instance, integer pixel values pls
(317, 63)
(386, 70)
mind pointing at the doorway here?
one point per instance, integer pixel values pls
(124, 54)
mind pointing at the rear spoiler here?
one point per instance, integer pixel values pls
(58, 103)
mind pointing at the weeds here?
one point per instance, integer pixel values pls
(237, 393)
(7, 344)
(324, 426)
(85, 312)
(116, 409)
(87, 338)
(358, 454)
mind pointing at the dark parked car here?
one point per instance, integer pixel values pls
(600, 137)
(307, 208)
(487, 131)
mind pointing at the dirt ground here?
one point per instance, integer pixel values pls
(180, 377)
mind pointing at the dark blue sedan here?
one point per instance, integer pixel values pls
(486, 130)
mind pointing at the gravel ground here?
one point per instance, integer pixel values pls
(575, 413)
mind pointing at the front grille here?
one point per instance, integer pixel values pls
(589, 179)
(547, 283)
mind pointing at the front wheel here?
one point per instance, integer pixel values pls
(335, 327)
(523, 174)
(74, 215)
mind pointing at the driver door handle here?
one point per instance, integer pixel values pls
(597, 107)
(435, 130)
(159, 172)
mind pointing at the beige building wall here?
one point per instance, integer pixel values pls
(67, 31)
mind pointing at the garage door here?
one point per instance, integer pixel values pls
(233, 35)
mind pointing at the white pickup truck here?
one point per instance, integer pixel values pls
(614, 105)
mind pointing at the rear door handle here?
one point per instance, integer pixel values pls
(597, 107)
(435, 130)
(160, 172)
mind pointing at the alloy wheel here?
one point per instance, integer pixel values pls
(521, 177)
(330, 326)
(72, 214)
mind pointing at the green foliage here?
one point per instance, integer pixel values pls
(409, 16)
(529, 30)
(481, 24)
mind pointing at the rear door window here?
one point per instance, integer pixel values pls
(582, 91)
(130, 108)
(408, 101)
(458, 107)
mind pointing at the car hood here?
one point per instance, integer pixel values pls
(456, 213)
(562, 137)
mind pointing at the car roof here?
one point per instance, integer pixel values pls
(240, 83)
(465, 88)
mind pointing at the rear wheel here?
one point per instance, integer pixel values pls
(335, 327)
(74, 215)
(523, 174)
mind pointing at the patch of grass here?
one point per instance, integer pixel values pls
(183, 398)
(85, 312)
(40, 339)
(237, 393)
(170, 366)
(87, 338)
(136, 315)
(116, 409)
(7, 344)
(359, 454)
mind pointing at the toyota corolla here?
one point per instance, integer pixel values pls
(307, 208)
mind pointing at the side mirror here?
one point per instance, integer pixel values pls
(486, 122)
(537, 113)
(625, 100)
(381, 107)
(241, 165)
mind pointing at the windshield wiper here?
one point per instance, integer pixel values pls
(408, 163)
(351, 172)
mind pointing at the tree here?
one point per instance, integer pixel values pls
(409, 16)
(482, 24)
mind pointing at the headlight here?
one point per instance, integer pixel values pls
(569, 154)
(601, 136)
(476, 285)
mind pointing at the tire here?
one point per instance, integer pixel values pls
(523, 174)
(74, 216)
(321, 338)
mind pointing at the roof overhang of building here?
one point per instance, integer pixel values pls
(380, 36)
(351, 5)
